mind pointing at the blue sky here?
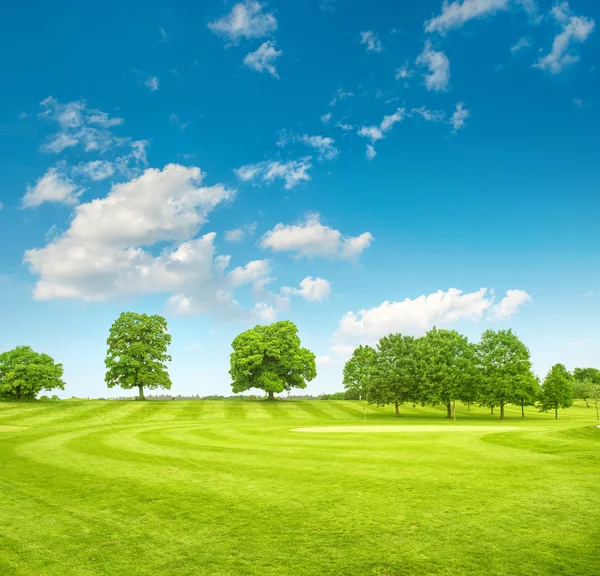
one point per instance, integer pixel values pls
(358, 168)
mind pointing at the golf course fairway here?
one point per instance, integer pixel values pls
(233, 488)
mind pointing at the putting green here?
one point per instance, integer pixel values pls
(13, 428)
(417, 429)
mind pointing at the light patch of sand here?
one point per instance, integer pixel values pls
(13, 428)
(415, 429)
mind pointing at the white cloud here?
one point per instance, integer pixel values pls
(521, 44)
(246, 20)
(416, 316)
(53, 186)
(429, 115)
(292, 173)
(439, 68)
(579, 343)
(370, 153)
(178, 122)
(325, 145)
(311, 289)
(311, 238)
(341, 94)
(79, 125)
(107, 251)
(251, 272)
(326, 118)
(375, 133)
(96, 169)
(371, 40)
(263, 58)
(239, 234)
(456, 14)
(345, 127)
(152, 83)
(575, 29)
(265, 312)
(404, 72)
(510, 304)
(324, 360)
(459, 117)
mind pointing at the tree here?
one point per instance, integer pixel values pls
(583, 378)
(394, 377)
(446, 362)
(137, 353)
(356, 371)
(594, 395)
(505, 366)
(556, 391)
(24, 373)
(527, 391)
(271, 358)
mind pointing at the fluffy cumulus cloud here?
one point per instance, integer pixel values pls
(459, 117)
(55, 187)
(142, 239)
(324, 144)
(311, 289)
(96, 169)
(416, 316)
(252, 272)
(439, 68)
(263, 58)
(510, 304)
(292, 172)
(456, 14)
(311, 238)
(575, 30)
(246, 20)
(371, 40)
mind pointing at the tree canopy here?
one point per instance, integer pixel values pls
(505, 367)
(272, 359)
(356, 371)
(24, 373)
(556, 390)
(137, 353)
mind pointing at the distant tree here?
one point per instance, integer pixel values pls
(446, 362)
(505, 366)
(527, 391)
(594, 396)
(394, 377)
(556, 391)
(24, 373)
(583, 378)
(356, 371)
(271, 358)
(137, 353)
(351, 394)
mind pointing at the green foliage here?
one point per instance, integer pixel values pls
(271, 358)
(447, 364)
(137, 353)
(356, 371)
(557, 390)
(584, 380)
(505, 365)
(24, 373)
(394, 375)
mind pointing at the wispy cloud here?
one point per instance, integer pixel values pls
(263, 58)
(371, 40)
(292, 172)
(459, 117)
(439, 68)
(152, 83)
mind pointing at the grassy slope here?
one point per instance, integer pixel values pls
(215, 488)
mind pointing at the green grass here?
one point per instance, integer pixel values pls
(215, 488)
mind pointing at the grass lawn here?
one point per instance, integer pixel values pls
(215, 488)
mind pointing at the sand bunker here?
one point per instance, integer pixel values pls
(13, 428)
(415, 429)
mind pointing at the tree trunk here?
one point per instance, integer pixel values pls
(468, 406)
(597, 415)
(448, 410)
(501, 411)
(271, 396)
(556, 413)
(454, 410)
(141, 387)
(397, 409)
(522, 409)
(586, 403)
(491, 410)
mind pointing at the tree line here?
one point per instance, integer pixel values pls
(443, 367)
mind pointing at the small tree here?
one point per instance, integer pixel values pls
(271, 358)
(583, 378)
(527, 391)
(24, 373)
(356, 371)
(594, 396)
(556, 391)
(394, 378)
(137, 353)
